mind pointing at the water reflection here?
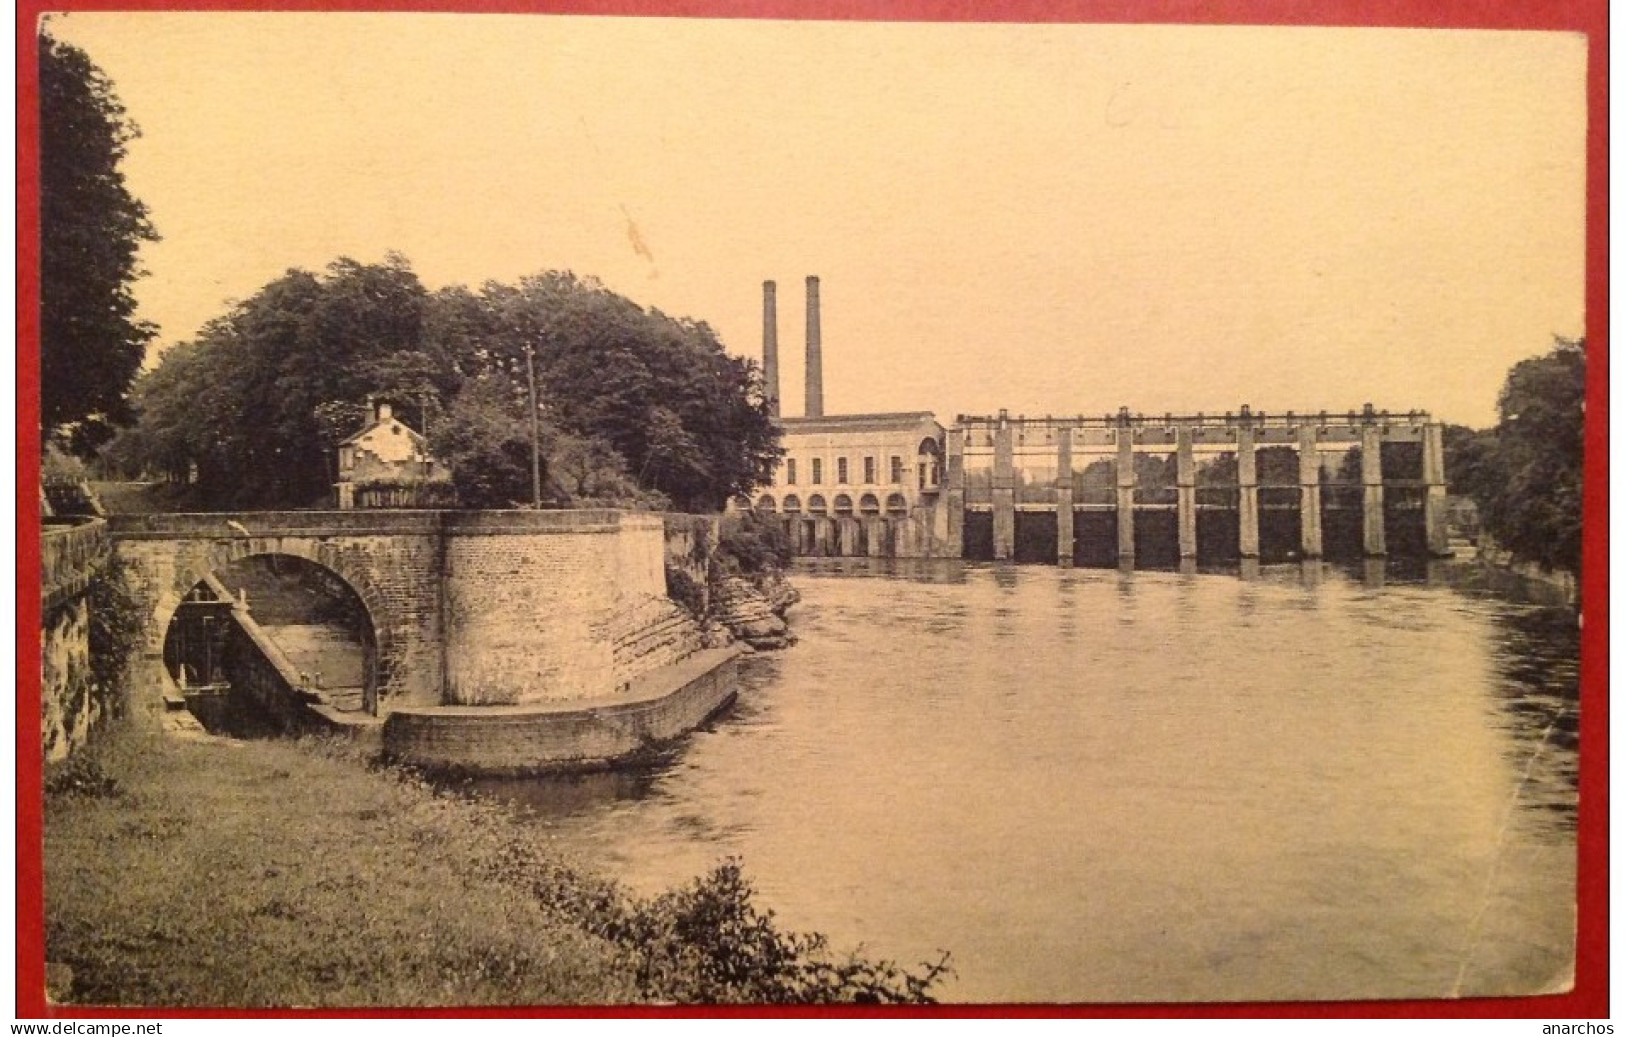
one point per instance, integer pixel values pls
(1315, 782)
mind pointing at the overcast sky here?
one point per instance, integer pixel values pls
(1050, 219)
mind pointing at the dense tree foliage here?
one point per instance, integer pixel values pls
(686, 418)
(636, 408)
(1526, 473)
(242, 406)
(91, 345)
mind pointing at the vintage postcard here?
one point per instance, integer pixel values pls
(552, 509)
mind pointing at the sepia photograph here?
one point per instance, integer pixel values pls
(548, 509)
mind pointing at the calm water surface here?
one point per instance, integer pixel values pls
(1100, 786)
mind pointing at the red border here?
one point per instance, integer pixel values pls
(1589, 999)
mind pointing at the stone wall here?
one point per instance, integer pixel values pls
(392, 560)
(467, 608)
(691, 540)
(520, 739)
(259, 671)
(70, 703)
(68, 707)
(576, 607)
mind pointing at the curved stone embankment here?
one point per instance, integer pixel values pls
(756, 614)
(520, 739)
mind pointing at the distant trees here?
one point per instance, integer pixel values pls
(1526, 473)
(91, 345)
(635, 406)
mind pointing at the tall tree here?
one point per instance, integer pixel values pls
(687, 419)
(1528, 486)
(254, 405)
(91, 344)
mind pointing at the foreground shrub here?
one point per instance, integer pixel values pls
(750, 543)
(115, 629)
(708, 943)
(686, 591)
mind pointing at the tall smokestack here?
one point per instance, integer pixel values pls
(770, 345)
(815, 354)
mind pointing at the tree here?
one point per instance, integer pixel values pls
(485, 441)
(1527, 477)
(637, 408)
(91, 344)
(256, 404)
(1471, 464)
(688, 420)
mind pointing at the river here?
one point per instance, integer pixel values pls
(1312, 782)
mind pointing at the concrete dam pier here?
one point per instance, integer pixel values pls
(490, 641)
(1262, 484)
(1116, 489)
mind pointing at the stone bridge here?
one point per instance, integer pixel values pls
(465, 608)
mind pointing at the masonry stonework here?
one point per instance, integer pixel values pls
(70, 705)
(391, 560)
(467, 608)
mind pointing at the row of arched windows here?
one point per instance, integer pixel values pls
(868, 504)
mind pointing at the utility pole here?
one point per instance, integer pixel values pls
(423, 420)
(535, 431)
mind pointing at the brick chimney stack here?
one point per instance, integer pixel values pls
(815, 354)
(770, 345)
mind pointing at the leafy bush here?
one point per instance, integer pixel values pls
(81, 774)
(686, 591)
(707, 943)
(397, 490)
(398, 480)
(63, 480)
(115, 629)
(750, 543)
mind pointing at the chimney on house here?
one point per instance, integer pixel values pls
(770, 345)
(385, 411)
(815, 354)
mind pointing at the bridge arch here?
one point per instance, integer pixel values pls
(291, 603)
(192, 567)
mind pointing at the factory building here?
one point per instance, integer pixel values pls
(1099, 490)
(849, 485)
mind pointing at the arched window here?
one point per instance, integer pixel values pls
(816, 505)
(928, 463)
(741, 503)
(896, 505)
(869, 504)
(792, 504)
(766, 503)
(843, 504)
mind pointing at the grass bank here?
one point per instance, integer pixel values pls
(273, 873)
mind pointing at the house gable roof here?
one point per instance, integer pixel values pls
(376, 424)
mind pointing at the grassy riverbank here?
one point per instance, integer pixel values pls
(214, 872)
(276, 873)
